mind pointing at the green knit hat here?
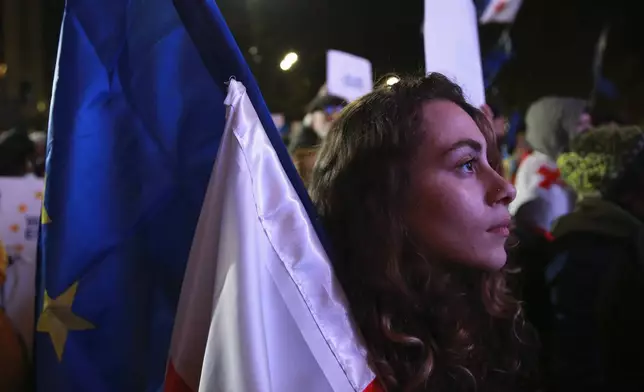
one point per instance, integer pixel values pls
(600, 158)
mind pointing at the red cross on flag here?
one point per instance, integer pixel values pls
(549, 176)
(501, 11)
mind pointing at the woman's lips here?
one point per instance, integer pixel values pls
(502, 228)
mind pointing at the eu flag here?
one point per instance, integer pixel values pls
(137, 114)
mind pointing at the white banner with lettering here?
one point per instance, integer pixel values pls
(348, 76)
(20, 206)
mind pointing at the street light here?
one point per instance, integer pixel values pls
(291, 57)
(285, 66)
(289, 60)
(392, 80)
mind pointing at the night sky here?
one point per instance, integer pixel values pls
(554, 44)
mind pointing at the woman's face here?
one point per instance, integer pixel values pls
(458, 207)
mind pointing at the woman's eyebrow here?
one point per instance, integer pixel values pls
(471, 143)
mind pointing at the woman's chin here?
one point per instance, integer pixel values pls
(492, 261)
(496, 260)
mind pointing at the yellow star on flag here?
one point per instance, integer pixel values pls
(57, 319)
(44, 216)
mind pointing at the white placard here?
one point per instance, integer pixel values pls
(20, 206)
(348, 76)
(452, 45)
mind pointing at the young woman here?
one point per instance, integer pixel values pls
(408, 189)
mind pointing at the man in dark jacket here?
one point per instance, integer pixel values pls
(321, 113)
(596, 278)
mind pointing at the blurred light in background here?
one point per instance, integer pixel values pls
(3, 70)
(291, 57)
(41, 106)
(289, 60)
(392, 80)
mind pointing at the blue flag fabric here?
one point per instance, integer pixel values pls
(605, 87)
(481, 5)
(514, 122)
(136, 119)
(494, 61)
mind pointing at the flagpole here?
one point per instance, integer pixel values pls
(598, 62)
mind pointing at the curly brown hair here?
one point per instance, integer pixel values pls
(427, 326)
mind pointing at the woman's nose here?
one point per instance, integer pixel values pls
(503, 191)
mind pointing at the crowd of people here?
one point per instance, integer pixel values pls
(468, 264)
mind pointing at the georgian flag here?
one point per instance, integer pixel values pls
(500, 11)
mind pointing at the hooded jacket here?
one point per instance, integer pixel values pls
(551, 123)
(597, 293)
(542, 196)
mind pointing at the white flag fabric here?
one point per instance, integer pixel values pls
(260, 309)
(501, 11)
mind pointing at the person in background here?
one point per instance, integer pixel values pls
(542, 196)
(303, 150)
(291, 131)
(322, 112)
(498, 120)
(408, 189)
(520, 152)
(16, 153)
(499, 123)
(596, 278)
(13, 354)
(18, 195)
(39, 139)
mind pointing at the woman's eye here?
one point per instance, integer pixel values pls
(468, 167)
